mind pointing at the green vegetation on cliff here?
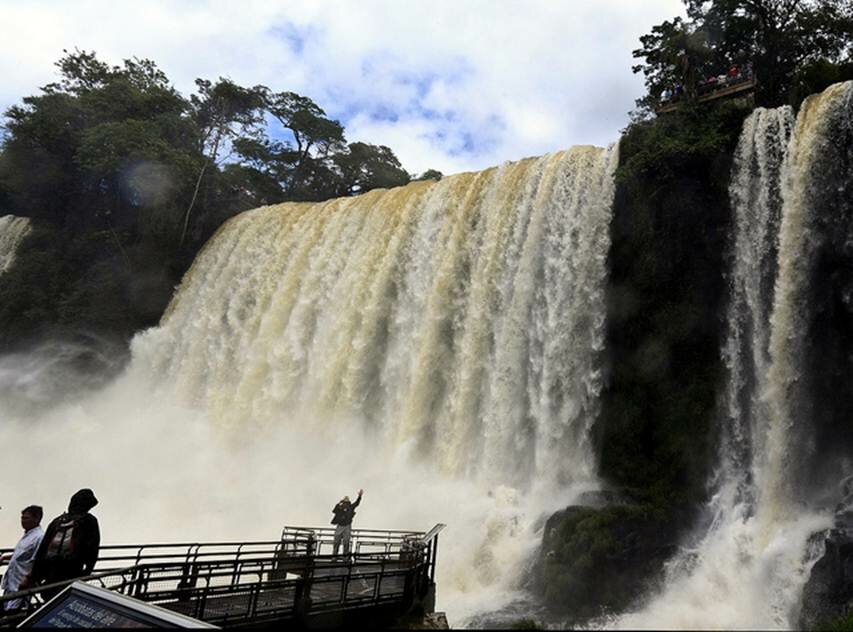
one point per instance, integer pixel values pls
(665, 299)
(125, 179)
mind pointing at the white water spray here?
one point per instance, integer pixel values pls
(12, 232)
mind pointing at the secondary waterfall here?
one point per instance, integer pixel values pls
(748, 569)
(462, 318)
(12, 231)
(755, 192)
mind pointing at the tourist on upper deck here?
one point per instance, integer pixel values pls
(344, 512)
(734, 73)
(21, 559)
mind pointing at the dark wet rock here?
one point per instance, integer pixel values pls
(600, 498)
(828, 593)
(597, 560)
(428, 621)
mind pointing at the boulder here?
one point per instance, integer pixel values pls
(828, 593)
(599, 559)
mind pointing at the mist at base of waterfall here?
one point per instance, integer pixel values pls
(164, 473)
(741, 575)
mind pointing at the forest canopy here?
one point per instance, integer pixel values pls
(118, 146)
(125, 179)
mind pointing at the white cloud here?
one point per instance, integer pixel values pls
(447, 85)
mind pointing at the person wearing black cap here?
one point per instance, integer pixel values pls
(344, 512)
(70, 545)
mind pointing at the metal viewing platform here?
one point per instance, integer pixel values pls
(737, 88)
(388, 575)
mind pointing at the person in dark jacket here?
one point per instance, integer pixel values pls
(344, 512)
(69, 548)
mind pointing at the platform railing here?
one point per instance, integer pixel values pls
(246, 582)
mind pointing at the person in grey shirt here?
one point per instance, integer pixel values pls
(22, 558)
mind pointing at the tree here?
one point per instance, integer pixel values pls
(86, 134)
(116, 166)
(430, 174)
(223, 112)
(675, 53)
(779, 37)
(315, 138)
(364, 167)
(314, 162)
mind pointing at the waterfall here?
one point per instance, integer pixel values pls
(12, 231)
(438, 345)
(823, 128)
(755, 192)
(462, 318)
(748, 569)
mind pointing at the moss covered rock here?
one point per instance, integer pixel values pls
(600, 560)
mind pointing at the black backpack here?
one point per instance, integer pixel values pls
(63, 544)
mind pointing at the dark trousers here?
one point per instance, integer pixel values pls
(59, 571)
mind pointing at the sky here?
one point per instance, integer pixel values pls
(453, 85)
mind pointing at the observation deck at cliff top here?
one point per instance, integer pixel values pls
(295, 580)
(740, 87)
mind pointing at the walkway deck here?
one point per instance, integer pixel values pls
(295, 578)
(739, 88)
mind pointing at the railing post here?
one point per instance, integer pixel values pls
(202, 600)
(345, 586)
(434, 556)
(302, 596)
(134, 582)
(253, 600)
(377, 589)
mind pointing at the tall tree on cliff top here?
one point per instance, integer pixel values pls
(315, 136)
(363, 167)
(223, 112)
(676, 53)
(778, 37)
(313, 161)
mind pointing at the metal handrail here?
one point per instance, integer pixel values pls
(275, 579)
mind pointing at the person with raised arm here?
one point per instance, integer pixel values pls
(344, 512)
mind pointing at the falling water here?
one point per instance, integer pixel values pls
(824, 120)
(12, 231)
(437, 344)
(749, 567)
(756, 198)
(463, 318)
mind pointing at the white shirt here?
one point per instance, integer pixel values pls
(21, 563)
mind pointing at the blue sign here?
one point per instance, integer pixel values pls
(84, 606)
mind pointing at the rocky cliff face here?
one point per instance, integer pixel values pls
(828, 594)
